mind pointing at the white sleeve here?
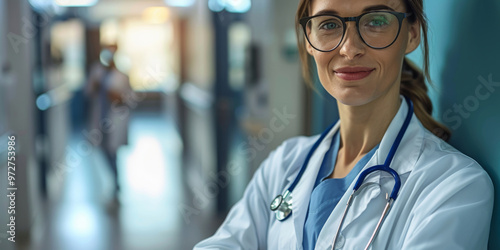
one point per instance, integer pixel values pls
(246, 225)
(456, 214)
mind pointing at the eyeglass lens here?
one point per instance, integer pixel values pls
(377, 29)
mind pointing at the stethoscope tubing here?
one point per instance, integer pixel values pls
(308, 157)
(386, 166)
(276, 204)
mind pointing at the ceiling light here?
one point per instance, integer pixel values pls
(75, 3)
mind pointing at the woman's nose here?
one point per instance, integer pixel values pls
(352, 45)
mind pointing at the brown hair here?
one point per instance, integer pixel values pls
(412, 78)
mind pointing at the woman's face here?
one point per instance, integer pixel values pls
(354, 73)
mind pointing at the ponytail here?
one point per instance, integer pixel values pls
(413, 86)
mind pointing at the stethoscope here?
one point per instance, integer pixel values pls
(282, 204)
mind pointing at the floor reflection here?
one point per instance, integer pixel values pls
(146, 214)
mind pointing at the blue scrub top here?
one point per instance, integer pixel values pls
(328, 192)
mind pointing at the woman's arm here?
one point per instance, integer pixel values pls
(456, 214)
(245, 227)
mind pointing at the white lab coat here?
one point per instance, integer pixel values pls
(445, 201)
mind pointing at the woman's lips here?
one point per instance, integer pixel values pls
(353, 73)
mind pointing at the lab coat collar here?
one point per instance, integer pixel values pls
(404, 161)
(411, 142)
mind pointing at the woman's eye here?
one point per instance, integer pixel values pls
(329, 26)
(378, 21)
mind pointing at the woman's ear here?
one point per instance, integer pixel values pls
(413, 37)
(309, 48)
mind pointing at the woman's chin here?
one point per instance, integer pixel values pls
(353, 100)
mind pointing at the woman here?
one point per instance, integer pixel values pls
(445, 199)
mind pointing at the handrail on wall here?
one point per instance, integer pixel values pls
(53, 97)
(195, 97)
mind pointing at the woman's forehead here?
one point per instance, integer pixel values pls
(354, 7)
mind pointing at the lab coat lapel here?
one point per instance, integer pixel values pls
(404, 161)
(302, 192)
(410, 147)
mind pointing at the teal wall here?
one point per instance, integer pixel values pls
(465, 53)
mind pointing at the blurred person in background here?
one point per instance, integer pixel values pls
(106, 89)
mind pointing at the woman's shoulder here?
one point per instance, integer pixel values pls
(292, 150)
(437, 149)
(287, 159)
(297, 144)
(445, 178)
(439, 160)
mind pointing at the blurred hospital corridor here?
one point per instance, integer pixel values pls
(144, 216)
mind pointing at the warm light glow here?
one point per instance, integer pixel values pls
(75, 3)
(239, 40)
(67, 45)
(156, 14)
(109, 31)
(152, 54)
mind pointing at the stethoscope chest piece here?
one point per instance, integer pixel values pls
(282, 205)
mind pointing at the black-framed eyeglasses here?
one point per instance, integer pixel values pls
(377, 29)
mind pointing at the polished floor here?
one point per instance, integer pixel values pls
(147, 214)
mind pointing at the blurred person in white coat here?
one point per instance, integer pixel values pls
(424, 193)
(109, 115)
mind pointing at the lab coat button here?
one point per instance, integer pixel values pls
(340, 242)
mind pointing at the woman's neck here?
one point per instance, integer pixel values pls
(362, 128)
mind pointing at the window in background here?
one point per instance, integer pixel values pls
(67, 55)
(239, 42)
(146, 49)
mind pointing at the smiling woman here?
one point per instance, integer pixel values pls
(333, 189)
(412, 79)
